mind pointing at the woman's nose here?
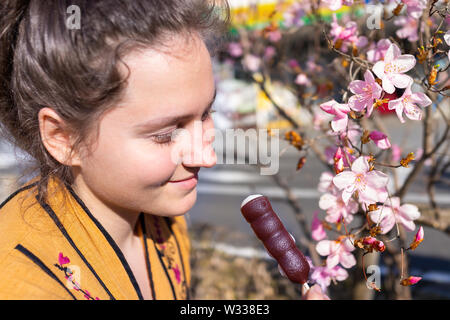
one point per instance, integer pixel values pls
(201, 152)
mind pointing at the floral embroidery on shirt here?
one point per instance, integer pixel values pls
(62, 260)
(168, 251)
(176, 270)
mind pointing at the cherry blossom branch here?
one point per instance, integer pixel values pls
(361, 62)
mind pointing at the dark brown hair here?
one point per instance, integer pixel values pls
(44, 63)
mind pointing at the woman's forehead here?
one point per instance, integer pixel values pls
(161, 83)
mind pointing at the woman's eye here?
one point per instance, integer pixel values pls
(163, 139)
(168, 138)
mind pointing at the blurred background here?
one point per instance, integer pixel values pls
(228, 261)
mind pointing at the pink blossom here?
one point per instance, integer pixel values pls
(396, 153)
(320, 117)
(352, 133)
(339, 161)
(365, 92)
(274, 36)
(292, 63)
(312, 66)
(346, 36)
(336, 209)
(418, 239)
(392, 212)
(336, 4)
(251, 62)
(391, 70)
(419, 235)
(408, 28)
(323, 275)
(330, 152)
(302, 80)
(361, 179)
(361, 42)
(340, 120)
(415, 7)
(318, 232)
(338, 251)
(374, 244)
(380, 139)
(376, 54)
(414, 280)
(326, 182)
(294, 14)
(269, 52)
(407, 103)
(410, 281)
(235, 49)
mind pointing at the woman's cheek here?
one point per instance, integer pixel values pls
(157, 165)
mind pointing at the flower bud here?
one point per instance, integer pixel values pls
(418, 239)
(410, 281)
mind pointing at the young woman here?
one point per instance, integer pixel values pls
(96, 107)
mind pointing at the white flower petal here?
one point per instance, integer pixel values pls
(327, 201)
(404, 63)
(421, 99)
(387, 85)
(344, 179)
(409, 211)
(360, 165)
(378, 69)
(401, 80)
(332, 260)
(324, 247)
(347, 260)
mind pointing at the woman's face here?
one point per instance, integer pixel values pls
(133, 164)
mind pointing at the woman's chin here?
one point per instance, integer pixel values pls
(182, 205)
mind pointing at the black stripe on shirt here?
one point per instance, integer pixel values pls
(164, 267)
(41, 265)
(112, 243)
(147, 256)
(60, 226)
(17, 192)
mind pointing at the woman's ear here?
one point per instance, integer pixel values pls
(55, 137)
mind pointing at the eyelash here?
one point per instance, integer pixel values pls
(166, 139)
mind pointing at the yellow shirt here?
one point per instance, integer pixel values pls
(58, 250)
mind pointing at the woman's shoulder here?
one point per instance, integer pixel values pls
(27, 241)
(26, 274)
(13, 212)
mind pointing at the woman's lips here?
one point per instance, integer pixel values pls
(193, 176)
(187, 183)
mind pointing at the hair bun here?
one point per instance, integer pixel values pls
(11, 14)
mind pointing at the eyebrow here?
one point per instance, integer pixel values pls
(169, 120)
